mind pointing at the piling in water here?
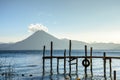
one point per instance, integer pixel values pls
(115, 75)
(104, 54)
(110, 67)
(43, 60)
(70, 57)
(51, 53)
(91, 70)
(76, 66)
(85, 62)
(65, 61)
(58, 65)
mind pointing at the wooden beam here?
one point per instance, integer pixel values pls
(62, 57)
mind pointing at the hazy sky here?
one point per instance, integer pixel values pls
(84, 20)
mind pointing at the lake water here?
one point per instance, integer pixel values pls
(27, 65)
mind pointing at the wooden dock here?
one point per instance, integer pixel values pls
(87, 61)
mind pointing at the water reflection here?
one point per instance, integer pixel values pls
(28, 66)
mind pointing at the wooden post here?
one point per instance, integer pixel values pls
(85, 50)
(104, 54)
(115, 75)
(70, 57)
(51, 52)
(85, 58)
(65, 61)
(110, 67)
(58, 65)
(76, 66)
(43, 60)
(91, 62)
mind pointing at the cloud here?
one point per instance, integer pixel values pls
(37, 27)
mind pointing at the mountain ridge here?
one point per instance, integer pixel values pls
(37, 40)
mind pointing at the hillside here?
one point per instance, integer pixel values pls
(40, 38)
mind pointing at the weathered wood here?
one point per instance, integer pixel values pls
(110, 67)
(58, 65)
(77, 66)
(70, 57)
(51, 56)
(115, 75)
(43, 60)
(104, 54)
(65, 61)
(85, 70)
(73, 63)
(85, 50)
(91, 70)
(62, 57)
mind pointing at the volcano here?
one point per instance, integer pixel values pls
(40, 38)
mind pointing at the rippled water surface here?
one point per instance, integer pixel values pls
(27, 65)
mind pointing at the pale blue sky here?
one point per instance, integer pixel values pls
(84, 20)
